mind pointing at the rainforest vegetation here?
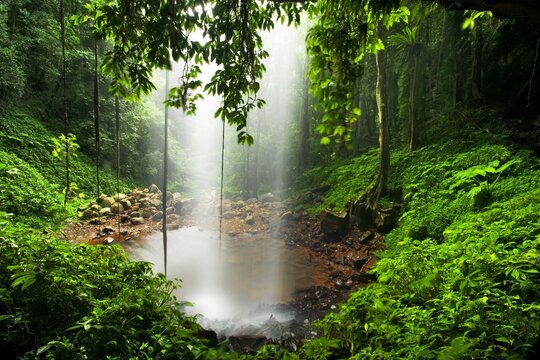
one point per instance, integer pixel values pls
(428, 109)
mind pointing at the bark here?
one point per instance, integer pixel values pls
(413, 101)
(165, 174)
(476, 78)
(303, 153)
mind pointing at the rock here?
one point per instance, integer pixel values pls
(359, 263)
(366, 236)
(173, 226)
(88, 214)
(94, 207)
(176, 196)
(332, 223)
(137, 221)
(387, 219)
(157, 216)
(266, 198)
(126, 204)
(209, 335)
(95, 222)
(287, 216)
(119, 197)
(101, 198)
(173, 218)
(156, 203)
(147, 213)
(104, 211)
(170, 210)
(108, 241)
(108, 230)
(247, 344)
(117, 208)
(135, 214)
(108, 201)
(153, 189)
(244, 195)
(250, 220)
(228, 215)
(125, 218)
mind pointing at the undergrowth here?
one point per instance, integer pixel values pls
(460, 275)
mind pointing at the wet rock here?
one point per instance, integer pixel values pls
(333, 223)
(250, 220)
(247, 344)
(105, 211)
(108, 241)
(387, 219)
(117, 208)
(108, 201)
(126, 204)
(137, 221)
(153, 189)
(209, 335)
(267, 198)
(157, 216)
(359, 263)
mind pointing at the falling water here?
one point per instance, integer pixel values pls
(233, 279)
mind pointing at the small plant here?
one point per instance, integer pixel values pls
(482, 178)
(59, 145)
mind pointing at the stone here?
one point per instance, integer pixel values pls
(156, 203)
(94, 207)
(119, 197)
(88, 214)
(170, 210)
(228, 215)
(108, 201)
(108, 241)
(147, 213)
(104, 211)
(247, 344)
(176, 196)
(135, 214)
(173, 226)
(250, 220)
(333, 223)
(95, 222)
(387, 219)
(137, 221)
(126, 204)
(359, 263)
(244, 195)
(117, 208)
(173, 218)
(287, 216)
(157, 216)
(154, 189)
(266, 198)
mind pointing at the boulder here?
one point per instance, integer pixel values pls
(147, 213)
(119, 197)
(104, 211)
(247, 344)
(333, 223)
(266, 198)
(287, 216)
(173, 226)
(136, 214)
(108, 201)
(157, 216)
(88, 214)
(250, 220)
(117, 208)
(137, 221)
(156, 203)
(126, 204)
(173, 218)
(153, 189)
(108, 241)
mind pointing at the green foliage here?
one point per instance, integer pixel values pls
(456, 279)
(87, 302)
(25, 192)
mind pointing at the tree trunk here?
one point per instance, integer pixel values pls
(476, 77)
(413, 99)
(303, 152)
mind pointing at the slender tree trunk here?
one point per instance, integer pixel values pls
(96, 116)
(165, 173)
(64, 95)
(476, 77)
